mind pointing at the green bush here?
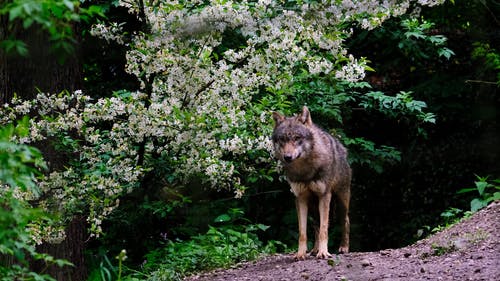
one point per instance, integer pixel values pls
(220, 247)
(490, 58)
(489, 191)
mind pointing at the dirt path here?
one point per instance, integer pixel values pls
(470, 250)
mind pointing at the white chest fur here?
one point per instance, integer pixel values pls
(318, 187)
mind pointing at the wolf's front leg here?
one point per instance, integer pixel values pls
(324, 212)
(301, 204)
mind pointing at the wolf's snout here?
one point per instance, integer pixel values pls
(288, 158)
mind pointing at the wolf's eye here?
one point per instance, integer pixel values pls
(297, 139)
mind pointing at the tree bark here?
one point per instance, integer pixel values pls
(71, 249)
(40, 71)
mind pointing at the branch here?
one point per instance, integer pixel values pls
(185, 98)
(480, 81)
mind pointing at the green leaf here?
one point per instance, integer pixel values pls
(437, 39)
(62, 263)
(27, 23)
(369, 68)
(445, 52)
(481, 186)
(69, 4)
(465, 190)
(15, 12)
(222, 218)
(263, 227)
(57, 11)
(415, 34)
(477, 204)
(14, 46)
(496, 196)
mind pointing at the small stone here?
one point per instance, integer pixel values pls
(365, 263)
(407, 255)
(422, 270)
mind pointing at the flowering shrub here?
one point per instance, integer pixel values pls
(210, 72)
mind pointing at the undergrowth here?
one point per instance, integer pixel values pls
(220, 247)
(487, 190)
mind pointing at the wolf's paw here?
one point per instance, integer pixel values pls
(343, 249)
(300, 256)
(323, 255)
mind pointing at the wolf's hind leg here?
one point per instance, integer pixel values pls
(314, 250)
(314, 221)
(343, 198)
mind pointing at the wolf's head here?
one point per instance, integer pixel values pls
(292, 136)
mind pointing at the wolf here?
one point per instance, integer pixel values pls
(315, 164)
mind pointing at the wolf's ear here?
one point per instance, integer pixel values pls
(278, 118)
(305, 116)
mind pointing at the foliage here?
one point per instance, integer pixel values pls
(219, 247)
(19, 165)
(334, 102)
(489, 191)
(107, 270)
(365, 152)
(104, 271)
(439, 250)
(398, 106)
(210, 73)
(451, 215)
(53, 16)
(490, 56)
(410, 43)
(448, 218)
(416, 42)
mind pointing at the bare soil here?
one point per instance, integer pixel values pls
(469, 250)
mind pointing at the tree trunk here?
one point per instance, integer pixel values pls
(24, 77)
(39, 71)
(71, 249)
